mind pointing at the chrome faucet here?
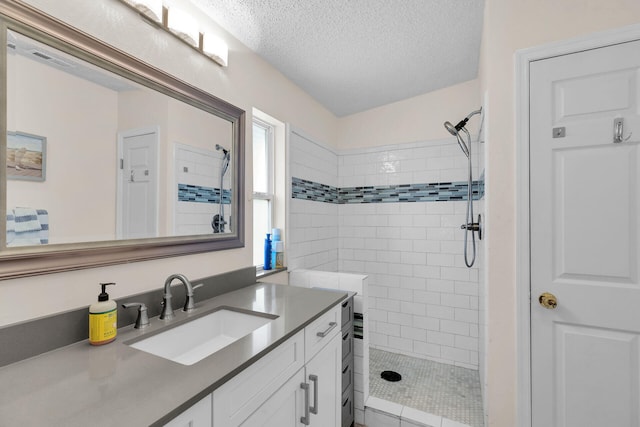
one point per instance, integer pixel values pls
(189, 304)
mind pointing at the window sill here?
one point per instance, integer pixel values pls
(260, 273)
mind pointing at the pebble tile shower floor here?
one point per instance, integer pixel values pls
(436, 388)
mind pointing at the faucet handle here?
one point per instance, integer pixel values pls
(190, 303)
(142, 321)
(167, 309)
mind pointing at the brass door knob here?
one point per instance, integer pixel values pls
(548, 300)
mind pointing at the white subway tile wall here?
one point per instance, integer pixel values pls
(423, 300)
(312, 226)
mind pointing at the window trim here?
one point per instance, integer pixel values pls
(269, 196)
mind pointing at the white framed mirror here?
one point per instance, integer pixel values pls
(108, 159)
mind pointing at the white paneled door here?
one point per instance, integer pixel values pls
(138, 184)
(585, 233)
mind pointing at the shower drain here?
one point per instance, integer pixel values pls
(390, 376)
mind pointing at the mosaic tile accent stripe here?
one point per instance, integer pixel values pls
(309, 190)
(200, 194)
(433, 192)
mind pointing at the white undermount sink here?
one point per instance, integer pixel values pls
(201, 337)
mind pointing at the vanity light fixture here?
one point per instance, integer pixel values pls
(151, 9)
(215, 48)
(183, 26)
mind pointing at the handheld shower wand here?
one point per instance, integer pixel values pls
(218, 223)
(475, 227)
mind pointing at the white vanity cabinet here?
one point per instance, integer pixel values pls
(286, 386)
(323, 368)
(198, 415)
(284, 408)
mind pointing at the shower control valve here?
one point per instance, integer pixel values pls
(474, 226)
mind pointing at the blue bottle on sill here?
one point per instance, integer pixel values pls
(267, 253)
(275, 238)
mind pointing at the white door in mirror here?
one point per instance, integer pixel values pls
(138, 196)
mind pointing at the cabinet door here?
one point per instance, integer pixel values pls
(324, 376)
(239, 398)
(284, 408)
(199, 415)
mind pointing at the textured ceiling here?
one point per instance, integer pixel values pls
(353, 55)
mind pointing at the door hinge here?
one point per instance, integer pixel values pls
(121, 163)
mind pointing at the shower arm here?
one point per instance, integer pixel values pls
(462, 123)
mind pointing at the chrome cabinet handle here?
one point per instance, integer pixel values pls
(314, 408)
(329, 329)
(305, 420)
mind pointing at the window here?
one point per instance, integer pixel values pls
(263, 184)
(269, 182)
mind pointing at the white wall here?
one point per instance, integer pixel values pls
(247, 82)
(508, 26)
(419, 118)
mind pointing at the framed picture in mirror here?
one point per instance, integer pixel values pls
(26, 156)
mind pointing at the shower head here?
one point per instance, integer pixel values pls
(451, 128)
(224, 150)
(455, 130)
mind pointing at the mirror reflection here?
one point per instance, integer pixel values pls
(92, 156)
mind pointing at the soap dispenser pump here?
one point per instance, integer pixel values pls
(103, 318)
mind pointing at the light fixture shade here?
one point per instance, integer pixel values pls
(184, 26)
(215, 48)
(152, 9)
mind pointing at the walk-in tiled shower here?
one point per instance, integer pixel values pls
(394, 214)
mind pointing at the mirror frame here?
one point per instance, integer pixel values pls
(35, 260)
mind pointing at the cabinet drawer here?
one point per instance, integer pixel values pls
(347, 410)
(347, 375)
(347, 311)
(347, 344)
(237, 399)
(320, 332)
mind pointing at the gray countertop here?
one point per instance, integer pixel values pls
(114, 384)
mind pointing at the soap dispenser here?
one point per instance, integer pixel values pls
(103, 319)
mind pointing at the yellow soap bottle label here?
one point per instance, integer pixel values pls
(103, 327)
